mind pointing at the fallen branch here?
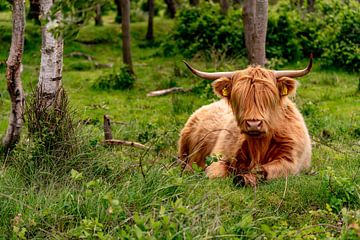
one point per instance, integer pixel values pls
(125, 143)
(90, 59)
(109, 138)
(80, 54)
(167, 91)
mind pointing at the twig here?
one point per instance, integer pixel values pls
(90, 59)
(167, 91)
(328, 145)
(80, 54)
(109, 138)
(284, 193)
(125, 143)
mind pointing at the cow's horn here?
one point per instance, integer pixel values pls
(295, 73)
(209, 76)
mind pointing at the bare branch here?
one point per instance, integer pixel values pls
(167, 91)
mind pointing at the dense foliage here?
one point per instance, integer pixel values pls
(331, 32)
(118, 80)
(204, 30)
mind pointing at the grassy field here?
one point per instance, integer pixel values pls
(126, 193)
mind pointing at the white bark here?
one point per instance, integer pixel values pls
(13, 76)
(51, 56)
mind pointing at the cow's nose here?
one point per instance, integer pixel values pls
(253, 125)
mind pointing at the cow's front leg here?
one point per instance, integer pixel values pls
(280, 168)
(218, 169)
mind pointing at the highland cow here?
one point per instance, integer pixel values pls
(255, 130)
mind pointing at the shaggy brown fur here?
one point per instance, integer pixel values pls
(280, 146)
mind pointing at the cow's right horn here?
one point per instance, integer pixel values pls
(295, 73)
(209, 76)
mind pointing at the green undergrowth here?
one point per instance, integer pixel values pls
(102, 192)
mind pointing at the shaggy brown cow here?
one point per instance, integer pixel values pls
(255, 130)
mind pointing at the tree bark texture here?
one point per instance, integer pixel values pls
(13, 76)
(50, 76)
(118, 11)
(255, 26)
(150, 29)
(224, 6)
(98, 17)
(194, 2)
(171, 8)
(34, 12)
(125, 27)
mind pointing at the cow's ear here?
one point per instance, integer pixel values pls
(222, 87)
(286, 86)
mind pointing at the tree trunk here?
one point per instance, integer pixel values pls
(310, 5)
(224, 5)
(118, 11)
(98, 18)
(125, 27)
(150, 29)
(34, 12)
(255, 25)
(194, 2)
(51, 58)
(171, 8)
(13, 76)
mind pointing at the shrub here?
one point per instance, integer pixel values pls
(4, 5)
(330, 32)
(52, 132)
(117, 81)
(204, 28)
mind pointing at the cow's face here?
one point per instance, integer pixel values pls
(256, 98)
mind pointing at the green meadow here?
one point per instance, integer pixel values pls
(102, 192)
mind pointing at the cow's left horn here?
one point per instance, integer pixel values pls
(295, 73)
(209, 76)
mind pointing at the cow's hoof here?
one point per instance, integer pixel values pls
(239, 181)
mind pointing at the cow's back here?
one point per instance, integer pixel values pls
(201, 131)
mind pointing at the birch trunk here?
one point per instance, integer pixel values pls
(255, 26)
(125, 27)
(13, 76)
(51, 57)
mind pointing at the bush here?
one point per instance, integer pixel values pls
(52, 132)
(4, 5)
(117, 81)
(203, 29)
(331, 32)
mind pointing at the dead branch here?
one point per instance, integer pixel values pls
(107, 128)
(90, 59)
(109, 138)
(80, 54)
(125, 143)
(167, 91)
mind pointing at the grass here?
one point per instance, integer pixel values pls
(125, 193)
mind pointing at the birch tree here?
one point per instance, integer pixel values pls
(255, 26)
(13, 75)
(125, 27)
(50, 76)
